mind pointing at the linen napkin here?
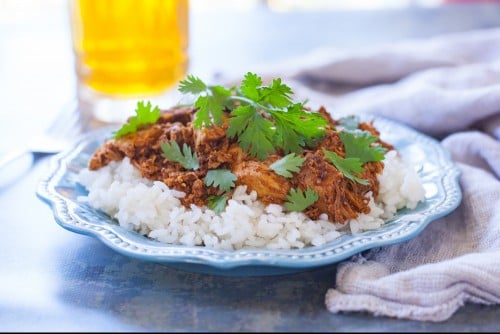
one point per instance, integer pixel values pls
(447, 87)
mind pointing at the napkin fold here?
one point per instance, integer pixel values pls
(447, 87)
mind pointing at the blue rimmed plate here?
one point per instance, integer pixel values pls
(439, 175)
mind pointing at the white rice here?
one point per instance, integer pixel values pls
(153, 209)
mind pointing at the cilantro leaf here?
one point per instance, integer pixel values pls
(222, 178)
(186, 158)
(254, 132)
(143, 115)
(358, 145)
(296, 128)
(210, 108)
(287, 164)
(203, 114)
(277, 94)
(210, 103)
(217, 203)
(218, 102)
(346, 166)
(299, 201)
(192, 84)
(250, 85)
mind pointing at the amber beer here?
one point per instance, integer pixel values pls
(129, 48)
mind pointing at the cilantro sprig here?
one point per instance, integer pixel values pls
(217, 203)
(224, 180)
(359, 148)
(211, 102)
(186, 157)
(144, 114)
(347, 166)
(359, 144)
(263, 117)
(289, 163)
(254, 132)
(299, 200)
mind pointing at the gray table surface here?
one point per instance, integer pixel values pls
(54, 280)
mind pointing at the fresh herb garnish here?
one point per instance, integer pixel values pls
(299, 201)
(222, 178)
(144, 115)
(211, 102)
(289, 163)
(359, 145)
(358, 150)
(192, 85)
(217, 203)
(255, 133)
(347, 166)
(297, 129)
(265, 118)
(186, 158)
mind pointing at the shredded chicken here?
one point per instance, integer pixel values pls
(339, 198)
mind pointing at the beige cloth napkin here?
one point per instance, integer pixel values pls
(447, 87)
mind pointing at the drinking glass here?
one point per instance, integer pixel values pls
(126, 51)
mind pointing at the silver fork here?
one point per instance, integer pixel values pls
(65, 127)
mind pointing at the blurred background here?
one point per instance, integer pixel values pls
(37, 78)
